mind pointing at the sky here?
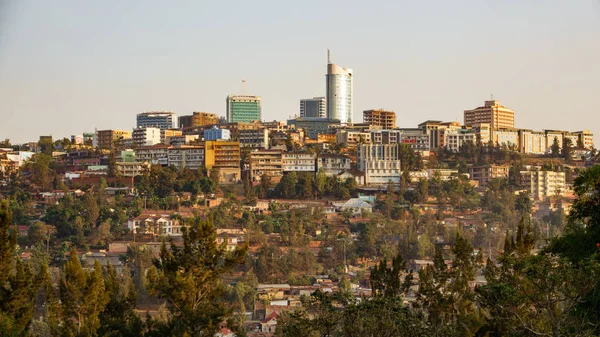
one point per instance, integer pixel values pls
(68, 67)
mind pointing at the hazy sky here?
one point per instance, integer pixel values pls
(67, 67)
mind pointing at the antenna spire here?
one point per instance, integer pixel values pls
(243, 88)
(328, 56)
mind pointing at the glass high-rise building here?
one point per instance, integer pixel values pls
(313, 107)
(243, 108)
(156, 119)
(339, 92)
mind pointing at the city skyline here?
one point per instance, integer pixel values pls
(540, 63)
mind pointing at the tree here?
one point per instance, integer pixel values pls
(288, 185)
(189, 278)
(387, 280)
(82, 296)
(41, 232)
(320, 182)
(445, 292)
(119, 317)
(523, 203)
(17, 286)
(567, 147)
(555, 148)
(538, 295)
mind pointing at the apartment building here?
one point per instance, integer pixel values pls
(258, 138)
(146, 136)
(379, 162)
(164, 134)
(269, 162)
(493, 113)
(111, 139)
(155, 224)
(483, 174)
(384, 119)
(130, 169)
(352, 138)
(154, 155)
(333, 164)
(186, 156)
(181, 140)
(298, 161)
(544, 184)
(224, 156)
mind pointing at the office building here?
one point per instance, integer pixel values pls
(384, 119)
(492, 113)
(417, 139)
(313, 107)
(379, 162)
(146, 136)
(224, 156)
(244, 108)
(339, 88)
(215, 133)
(454, 139)
(313, 126)
(158, 119)
(198, 119)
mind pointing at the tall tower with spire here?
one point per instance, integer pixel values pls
(339, 87)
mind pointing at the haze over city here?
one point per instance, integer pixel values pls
(69, 67)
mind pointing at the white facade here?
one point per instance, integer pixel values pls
(333, 164)
(455, 139)
(155, 155)
(379, 162)
(146, 136)
(183, 156)
(544, 184)
(155, 224)
(299, 162)
(339, 87)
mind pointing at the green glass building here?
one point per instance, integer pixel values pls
(243, 108)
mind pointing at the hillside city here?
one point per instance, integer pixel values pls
(230, 225)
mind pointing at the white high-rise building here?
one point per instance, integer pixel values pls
(339, 92)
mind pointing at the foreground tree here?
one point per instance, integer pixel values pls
(17, 285)
(189, 279)
(537, 295)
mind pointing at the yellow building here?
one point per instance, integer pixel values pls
(224, 156)
(385, 119)
(498, 116)
(107, 139)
